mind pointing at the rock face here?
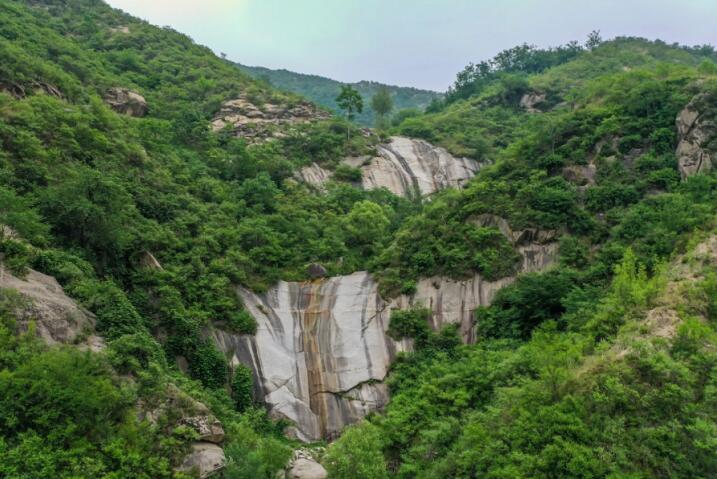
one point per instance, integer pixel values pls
(321, 350)
(126, 101)
(205, 459)
(57, 317)
(696, 130)
(530, 101)
(259, 122)
(406, 167)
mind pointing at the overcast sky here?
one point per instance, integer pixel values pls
(421, 43)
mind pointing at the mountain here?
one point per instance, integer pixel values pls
(324, 91)
(202, 275)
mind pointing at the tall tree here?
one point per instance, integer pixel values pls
(382, 104)
(351, 102)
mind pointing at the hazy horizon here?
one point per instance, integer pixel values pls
(419, 43)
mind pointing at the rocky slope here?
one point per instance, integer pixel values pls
(696, 129)
(257, 121)
(321, 351)
(405, 166)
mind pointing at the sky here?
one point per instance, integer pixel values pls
(419, 43)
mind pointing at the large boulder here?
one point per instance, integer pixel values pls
(696, 129)
(303, 465)
(126, 101)
(204, 459)
(57, 317)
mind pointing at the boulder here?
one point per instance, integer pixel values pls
(126, 101)
(57, 317)
(306, 468)
(204, 459)
(316, 271)
(208, 427)
(696, 129)
(530, 101)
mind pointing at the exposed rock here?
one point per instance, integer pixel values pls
(696, 130)
(147, 260)
(186, 411)
(581, 175)
(258, 123)
(321, 350)
(303, 465)
(57, 317)
(38, 87)
(306, 469)
(316, 271)
(406, 167)
(123, 29)
(205, 459)
(126, 101)
(530, 101)
(522, 237)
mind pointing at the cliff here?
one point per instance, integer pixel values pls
(405, 166)
(321, 351)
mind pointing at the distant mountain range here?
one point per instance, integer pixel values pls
(324, 90)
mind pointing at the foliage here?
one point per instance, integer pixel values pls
(357, 454)
(382, 104)
(323, 91)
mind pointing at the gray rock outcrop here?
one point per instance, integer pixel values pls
(303, 465)
(406, 167)
(696, 130)
(204, 459)
(530, 101)
(57, 318)
(260, 121)
(126, 101)
(321, 351)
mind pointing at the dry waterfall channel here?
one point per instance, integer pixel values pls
(321, 352)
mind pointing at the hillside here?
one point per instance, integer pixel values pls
(324, 91)
(520, 283)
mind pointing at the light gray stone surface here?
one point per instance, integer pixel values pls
(57, 317)
(404, 166)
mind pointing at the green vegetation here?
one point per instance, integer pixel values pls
(382, 104)
(151, 222)
(323, 91)
(602, 366)
(350, 101)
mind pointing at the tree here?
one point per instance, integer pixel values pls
(357, 454)
(594, 40)
(382, 104)
(351, 102)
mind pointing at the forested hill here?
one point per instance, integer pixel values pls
(324, 91)
(147, 185)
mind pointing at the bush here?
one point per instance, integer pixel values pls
(357, 454)
(242, 385)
